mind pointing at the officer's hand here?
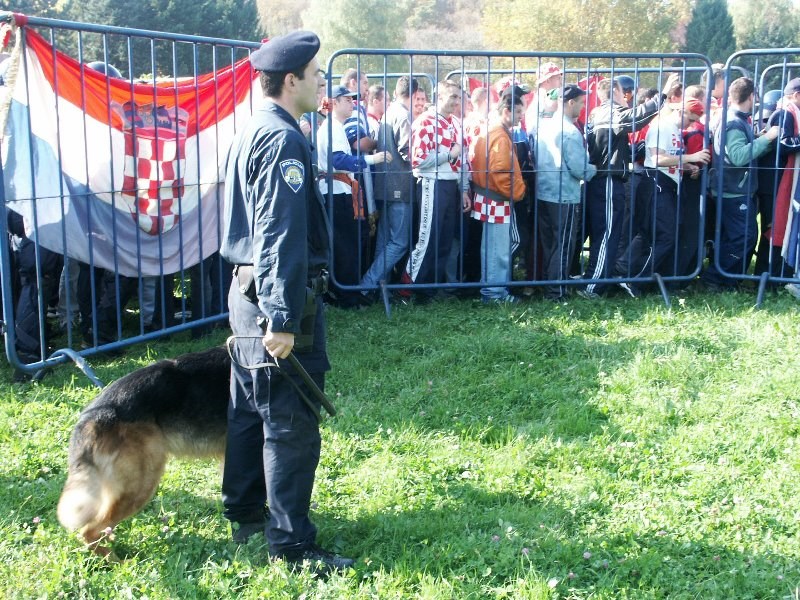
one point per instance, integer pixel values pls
(381, 157)
(279, 345)
(466, 202)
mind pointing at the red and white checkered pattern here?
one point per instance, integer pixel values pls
(432, 133)
(155, 162)
(491, 211)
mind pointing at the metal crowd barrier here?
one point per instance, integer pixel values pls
(459, 270)
(120, 239)
(768, 247)
(110, 186)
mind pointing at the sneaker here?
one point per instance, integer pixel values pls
(793, 289)
(241, 532)
(320, 561)
(631, 289)
(586, 294)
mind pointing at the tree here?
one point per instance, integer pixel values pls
(778, 27)
(582, 25)
(281, 16)
(229, 19)
(710, 30)
(357, 24)
(50, 9)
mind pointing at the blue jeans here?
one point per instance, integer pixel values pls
(394, 240)
(495, 258)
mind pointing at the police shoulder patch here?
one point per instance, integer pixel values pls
(293, 173)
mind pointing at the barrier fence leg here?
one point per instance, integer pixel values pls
(663, 289)
(762, 287)
(385, 295)
(79, 361)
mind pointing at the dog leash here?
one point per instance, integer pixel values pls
(301, 371)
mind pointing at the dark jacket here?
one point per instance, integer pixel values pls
(607, 135)
(771, 164)
(274, 217)
(393, 180)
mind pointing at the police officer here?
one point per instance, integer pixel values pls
(277, 234)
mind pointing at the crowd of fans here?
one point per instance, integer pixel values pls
(501, 184)
(512, 191)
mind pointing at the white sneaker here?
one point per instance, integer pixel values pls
(793, 289)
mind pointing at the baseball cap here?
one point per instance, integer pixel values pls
(517, 91)
(338, 91)
(692, 105)
(572, 91)
(546, 71)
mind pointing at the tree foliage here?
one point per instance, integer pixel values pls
(357, 24)
(710, 30)
(230, 19)
(755, 27)
(582, 25)
(279, 18)
(51, 9)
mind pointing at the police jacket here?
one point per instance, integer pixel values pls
(607, 135)
(274, 218)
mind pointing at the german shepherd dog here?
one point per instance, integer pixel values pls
(121, 443)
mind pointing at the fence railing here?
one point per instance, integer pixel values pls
(759, 225)
(111, 195)
(452, 241)
(115, 142)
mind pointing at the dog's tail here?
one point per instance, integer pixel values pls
(114, 469)
(83, 497)
(81, 501)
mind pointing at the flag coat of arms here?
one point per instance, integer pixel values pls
(125, 176)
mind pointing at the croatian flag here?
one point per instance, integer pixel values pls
(124, 176)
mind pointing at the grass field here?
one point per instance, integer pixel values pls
(613, 449)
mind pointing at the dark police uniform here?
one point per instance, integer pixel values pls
(276, 222)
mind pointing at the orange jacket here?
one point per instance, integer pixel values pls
(502, 175)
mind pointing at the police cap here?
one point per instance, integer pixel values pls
(286, 53)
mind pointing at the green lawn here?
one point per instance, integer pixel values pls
(613, 449)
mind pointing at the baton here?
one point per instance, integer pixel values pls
(311, 384)
(299, 368)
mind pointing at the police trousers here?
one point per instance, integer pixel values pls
(273, 443)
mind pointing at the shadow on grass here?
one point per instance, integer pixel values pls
(487, 540)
